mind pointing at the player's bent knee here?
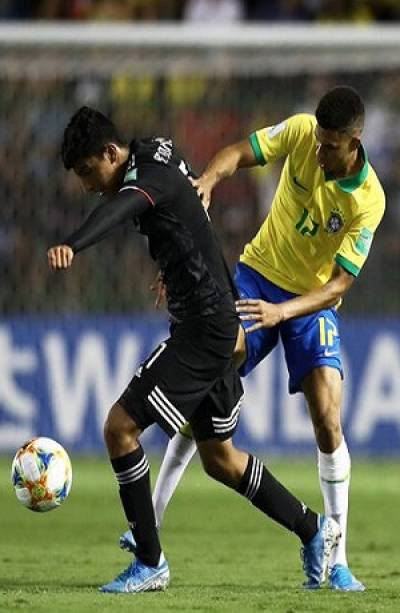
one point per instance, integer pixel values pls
(219, 460)
(214, 468)
(119, 427)
(327, 424)
(220, 468)
(328, 433)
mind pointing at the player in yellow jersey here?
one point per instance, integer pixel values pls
(294, 273)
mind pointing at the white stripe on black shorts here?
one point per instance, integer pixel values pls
(190, 377)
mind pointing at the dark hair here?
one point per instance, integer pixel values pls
(87, 133)
(341, 109)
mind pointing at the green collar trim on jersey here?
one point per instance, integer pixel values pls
(255, 145)
(349, 184)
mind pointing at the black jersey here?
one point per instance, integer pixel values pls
(180, 236)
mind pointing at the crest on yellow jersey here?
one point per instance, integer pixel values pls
(335, 222)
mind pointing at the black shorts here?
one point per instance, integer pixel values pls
(190, 377)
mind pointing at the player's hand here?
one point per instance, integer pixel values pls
(60, 257)
(158, 286)
(204, 186)
(264, 314)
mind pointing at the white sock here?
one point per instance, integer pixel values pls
(334, 478)
(179, 452)
(161, 560)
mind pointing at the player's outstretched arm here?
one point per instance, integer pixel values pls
(107, 217)
(223, 165)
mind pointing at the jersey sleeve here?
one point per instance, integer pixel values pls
(274, 142)
(107, 217)
(357, 242)
(144, 180)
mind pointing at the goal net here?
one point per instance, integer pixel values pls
(203, 87)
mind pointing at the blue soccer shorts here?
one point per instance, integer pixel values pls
(309, 342)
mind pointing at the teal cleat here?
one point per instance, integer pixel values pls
(139, 578)
(127, 542)
(342, 579)
(316, 553)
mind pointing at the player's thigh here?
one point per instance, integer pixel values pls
(170, 385)
(213, 425)
(251, 285)
(311, 342)
(217, 415)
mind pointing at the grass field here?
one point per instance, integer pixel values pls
(223, 554)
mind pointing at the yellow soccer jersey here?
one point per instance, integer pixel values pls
(314, 220)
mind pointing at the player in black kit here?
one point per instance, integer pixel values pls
(191, 376)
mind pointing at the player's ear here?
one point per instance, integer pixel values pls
(111, 152)
(355, 143)
(355, 140)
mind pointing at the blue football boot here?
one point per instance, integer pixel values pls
(139, 578)
(316, 553)
(127, 542)
(343, 580)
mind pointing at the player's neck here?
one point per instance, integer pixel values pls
(123, 157)
(124, 154)
(355, 165)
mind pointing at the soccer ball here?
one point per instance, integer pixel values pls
(41, 474)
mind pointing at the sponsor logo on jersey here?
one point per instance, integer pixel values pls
(364, 241)
(131, 171)
(164, 150)
(273, 131)
(131, 175)
(138, 372)
(328, 353)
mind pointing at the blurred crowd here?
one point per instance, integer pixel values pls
(42, 203)
(215, 11)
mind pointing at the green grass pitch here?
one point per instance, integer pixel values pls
(223, 554)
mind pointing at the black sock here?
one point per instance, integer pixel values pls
(268, 495)
(133, 476)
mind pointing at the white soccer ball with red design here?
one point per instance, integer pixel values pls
(41, 474)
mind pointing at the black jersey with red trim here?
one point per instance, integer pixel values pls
(181, 237)
(157, 195)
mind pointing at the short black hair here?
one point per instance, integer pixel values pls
(87, 134)
(341, 109)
